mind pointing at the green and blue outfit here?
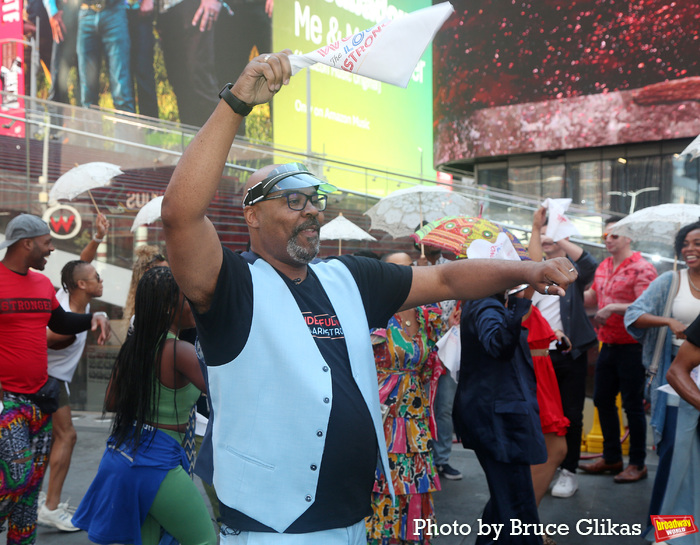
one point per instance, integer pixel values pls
(138, 491)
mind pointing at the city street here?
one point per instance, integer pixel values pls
(589, 516)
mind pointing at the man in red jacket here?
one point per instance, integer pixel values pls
(619, 280)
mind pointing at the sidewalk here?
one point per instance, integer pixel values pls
(599, 500)
(598, 504)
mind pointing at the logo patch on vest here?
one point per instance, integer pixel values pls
(323, 326)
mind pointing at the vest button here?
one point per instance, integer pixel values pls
(314, 467)
(319, 433)
(308, 498)
(326, 400)
(325, 368)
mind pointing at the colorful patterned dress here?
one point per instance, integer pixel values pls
(405, 368)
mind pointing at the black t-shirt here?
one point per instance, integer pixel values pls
(692, 333)
(349, 459)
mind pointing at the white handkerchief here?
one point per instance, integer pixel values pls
(388, 51)
(501, 249)
(559, 226)
(449, 349)
(201, 425)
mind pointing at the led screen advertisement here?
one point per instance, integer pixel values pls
(521, 77)
(353, 118)
(11, 68)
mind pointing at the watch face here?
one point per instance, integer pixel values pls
(226, 87)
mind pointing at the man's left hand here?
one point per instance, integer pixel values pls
(102, 322)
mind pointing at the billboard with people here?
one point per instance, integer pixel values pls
(11, 69)
(351, 117)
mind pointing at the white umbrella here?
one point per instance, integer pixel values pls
(693, 149)
(401, 212)
(657, 223)
(341, 229)
(83, 178)
(149, 213)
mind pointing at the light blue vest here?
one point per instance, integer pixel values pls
(272, 402)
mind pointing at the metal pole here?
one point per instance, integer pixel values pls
(421, 162)
(44, 178)
(34, 59)
(633, 195)
(28, 169)
(308, 111)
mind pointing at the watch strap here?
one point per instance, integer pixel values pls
(237, 105)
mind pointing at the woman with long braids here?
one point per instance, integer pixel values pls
(142, 485)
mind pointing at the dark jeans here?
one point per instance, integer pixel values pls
(142, 44)
(105, 31)
(64, 54)
(512, 497)
(189, 60)
(619, 369)
(36, 11)
(571, 377)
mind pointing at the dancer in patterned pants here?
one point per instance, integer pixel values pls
(25, 438)
(28, 306)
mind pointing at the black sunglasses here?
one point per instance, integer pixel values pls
(297, 201)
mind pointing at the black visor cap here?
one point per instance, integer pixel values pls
(285, 177)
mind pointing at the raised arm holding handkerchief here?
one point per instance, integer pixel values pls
(559, 225)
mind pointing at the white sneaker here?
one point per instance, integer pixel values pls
(58, 518)
(566, 486)
(67, 507)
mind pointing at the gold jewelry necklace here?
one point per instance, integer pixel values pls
(691, 283)
(404, 323)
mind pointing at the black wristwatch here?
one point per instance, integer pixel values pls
(237, 105)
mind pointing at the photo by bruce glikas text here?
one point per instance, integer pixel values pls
(584, 527)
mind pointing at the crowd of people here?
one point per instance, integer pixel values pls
(323, 422)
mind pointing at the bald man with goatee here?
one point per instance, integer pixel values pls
(297, 430)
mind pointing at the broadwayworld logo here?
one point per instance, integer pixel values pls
(669, 527)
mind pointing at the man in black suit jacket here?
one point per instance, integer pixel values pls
(496, 412)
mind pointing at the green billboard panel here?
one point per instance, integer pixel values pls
(351, 118)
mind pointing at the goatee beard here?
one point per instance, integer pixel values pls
(298, 253)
